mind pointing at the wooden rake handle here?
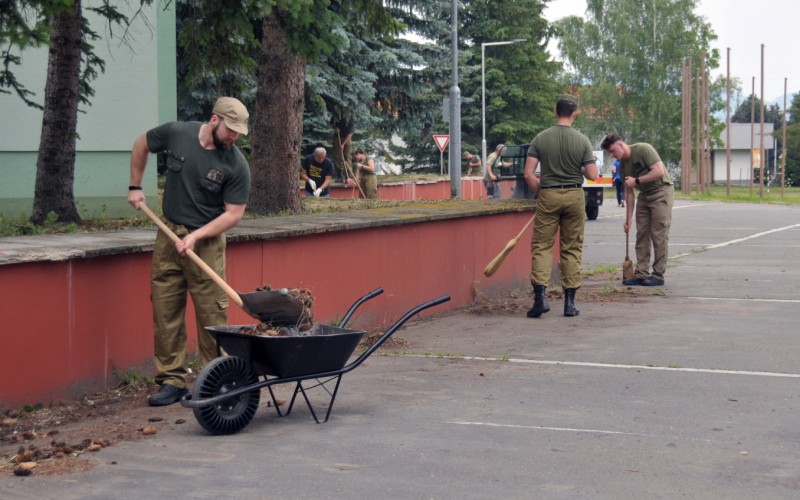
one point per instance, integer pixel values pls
(230, 292)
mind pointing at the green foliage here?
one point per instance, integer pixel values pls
(625, 62)
(520, 79)
(772, 114)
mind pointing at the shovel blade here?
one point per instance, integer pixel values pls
(627, 269)
(273, 306)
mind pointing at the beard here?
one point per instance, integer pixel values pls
(217, 142)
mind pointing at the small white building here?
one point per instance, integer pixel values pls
(742, 156)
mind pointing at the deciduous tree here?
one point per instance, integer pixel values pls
(625, 62)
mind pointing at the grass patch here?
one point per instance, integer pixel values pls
(741, 194)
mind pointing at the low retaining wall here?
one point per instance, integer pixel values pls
(77, 309)
(472, 188)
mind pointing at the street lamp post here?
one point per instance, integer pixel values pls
(483, 94)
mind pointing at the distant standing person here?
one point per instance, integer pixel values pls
(365, 174)
(618, 184)
(207, 186)
(642, 169)
(493, 164)
(318, 173)
(473, 163)
(566, 157)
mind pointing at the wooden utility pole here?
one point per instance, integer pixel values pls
(761, 154)
(752, 132)
(706, 132)
(783, 141)
(686, 171)
(728, 127)
(698, 99)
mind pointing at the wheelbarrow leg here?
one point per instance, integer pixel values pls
(299, 389)
(275, 402)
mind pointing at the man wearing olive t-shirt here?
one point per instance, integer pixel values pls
(641, 168)
(207, 186)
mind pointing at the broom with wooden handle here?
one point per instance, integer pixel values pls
(494, 265)
(627, 266)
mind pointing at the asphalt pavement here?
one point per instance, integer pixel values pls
(689, 390)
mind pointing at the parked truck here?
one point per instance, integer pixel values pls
(513, 168)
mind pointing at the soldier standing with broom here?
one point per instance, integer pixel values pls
(566, 157)
(642, 169)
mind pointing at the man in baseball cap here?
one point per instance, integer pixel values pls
(233, 112)
(205, 194)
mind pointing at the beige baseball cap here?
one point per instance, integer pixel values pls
(233, 112)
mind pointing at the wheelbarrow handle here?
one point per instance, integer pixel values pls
(394, 328)
(357, 303)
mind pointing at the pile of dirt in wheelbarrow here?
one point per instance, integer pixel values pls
(304, 322)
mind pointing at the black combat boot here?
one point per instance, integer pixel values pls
(540, 304)
(569, 302)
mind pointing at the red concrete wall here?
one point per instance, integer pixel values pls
(68, 325)
(472, 188)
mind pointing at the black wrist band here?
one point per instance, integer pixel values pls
(134, 188)
(638, 182)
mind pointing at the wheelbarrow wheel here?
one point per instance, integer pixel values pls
(218, 377)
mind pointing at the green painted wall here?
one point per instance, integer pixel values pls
(137, 92)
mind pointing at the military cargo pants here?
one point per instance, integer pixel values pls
(653, 219)
(564, 210)
(171, 277)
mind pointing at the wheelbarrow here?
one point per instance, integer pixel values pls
(227, 391)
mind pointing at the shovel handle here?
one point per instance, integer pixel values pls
(230, 292)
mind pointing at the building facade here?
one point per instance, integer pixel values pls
(137, 91)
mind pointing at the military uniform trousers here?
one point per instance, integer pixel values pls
(653, 219)
(369, 184)
(564, 210)
(171, 277)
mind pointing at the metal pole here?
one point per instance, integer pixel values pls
(455, 114)
(483, 110)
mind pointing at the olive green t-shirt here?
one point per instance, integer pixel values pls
(643, 156)
(199, 181)
(562, 151)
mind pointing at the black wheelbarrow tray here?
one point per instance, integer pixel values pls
(227, 391)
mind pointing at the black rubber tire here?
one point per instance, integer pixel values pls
(591, 212)
(223, 375)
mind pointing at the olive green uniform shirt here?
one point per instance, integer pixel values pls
(562, 151)
(643, 156)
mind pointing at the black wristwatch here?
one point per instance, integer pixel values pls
(637, 182)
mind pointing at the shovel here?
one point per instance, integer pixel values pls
(627, 266)
(269, 306)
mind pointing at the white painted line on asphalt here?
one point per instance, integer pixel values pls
(787, 301)
(613, 365)
(738, 240)
(569, 429)
(660, 368)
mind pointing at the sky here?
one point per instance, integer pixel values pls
(732, 21)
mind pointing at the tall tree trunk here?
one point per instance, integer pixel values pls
(55, 168)
(278, 125)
